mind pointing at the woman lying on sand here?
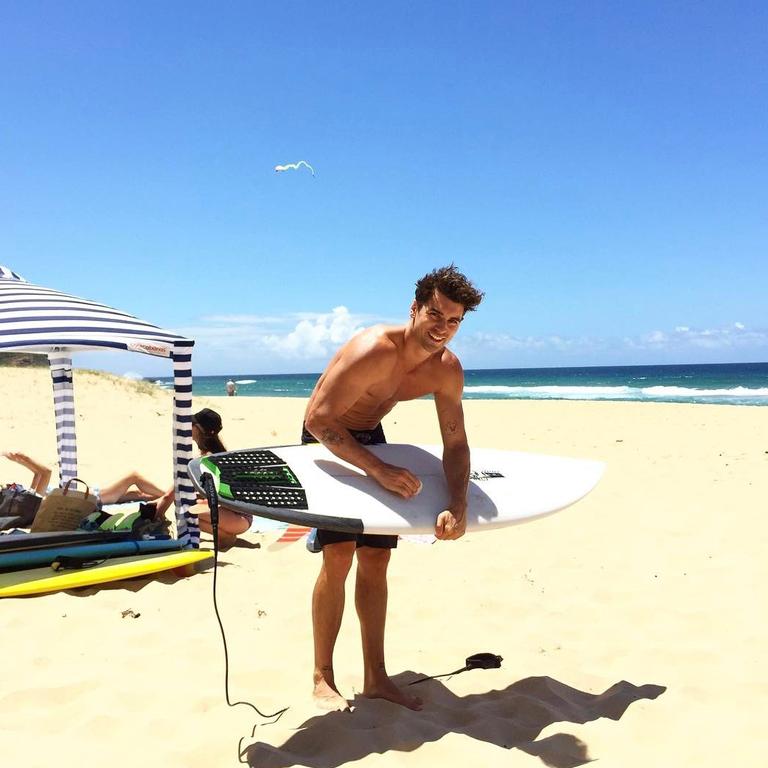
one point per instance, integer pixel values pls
(132, 487)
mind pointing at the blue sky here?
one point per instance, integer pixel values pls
(599, 169)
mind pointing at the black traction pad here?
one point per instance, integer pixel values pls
(259, 477)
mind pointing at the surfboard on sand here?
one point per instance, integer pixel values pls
(19, 542)
(308, 485)
(39, 580)
(28, 558)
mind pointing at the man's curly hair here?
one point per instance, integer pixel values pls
(452, 284)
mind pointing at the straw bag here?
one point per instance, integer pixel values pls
(63, 508)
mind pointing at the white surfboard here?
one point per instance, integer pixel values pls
(309, 485)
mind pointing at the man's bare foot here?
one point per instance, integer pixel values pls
(386, 689)
(327, 697)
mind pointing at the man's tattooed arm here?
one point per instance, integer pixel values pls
(331, 437)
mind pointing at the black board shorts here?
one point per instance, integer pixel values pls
(377, 541)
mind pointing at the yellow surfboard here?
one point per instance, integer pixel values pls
(36, 581)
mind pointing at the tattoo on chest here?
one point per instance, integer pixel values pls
(331, 437)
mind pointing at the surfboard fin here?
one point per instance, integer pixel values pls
(62, 563)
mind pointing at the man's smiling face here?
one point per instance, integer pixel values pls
(436, 321)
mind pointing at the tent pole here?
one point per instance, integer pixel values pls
(184, 492)
(64, 408)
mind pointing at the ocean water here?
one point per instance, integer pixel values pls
(724, 384)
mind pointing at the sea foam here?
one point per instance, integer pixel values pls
(734, 395)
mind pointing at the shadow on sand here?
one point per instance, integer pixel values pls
(510, 718)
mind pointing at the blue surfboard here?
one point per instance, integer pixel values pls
(33, 558)
(17, 542)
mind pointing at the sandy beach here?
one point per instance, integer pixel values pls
(631, 625)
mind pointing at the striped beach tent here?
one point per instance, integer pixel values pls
(45, 321)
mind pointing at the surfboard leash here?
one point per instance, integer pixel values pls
(476, 661)
(209, 487)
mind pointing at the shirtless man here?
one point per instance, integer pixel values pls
(372, 372)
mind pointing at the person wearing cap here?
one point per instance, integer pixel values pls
(206, 425)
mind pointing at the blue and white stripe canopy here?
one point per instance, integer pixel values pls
(46, 321)
(36, 319)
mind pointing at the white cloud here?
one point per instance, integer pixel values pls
(682, 337)
(315, 336)
(303, 335)
(732, 336)
(243, 319)
(503, 342)
(654, 338)
(304, 341)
